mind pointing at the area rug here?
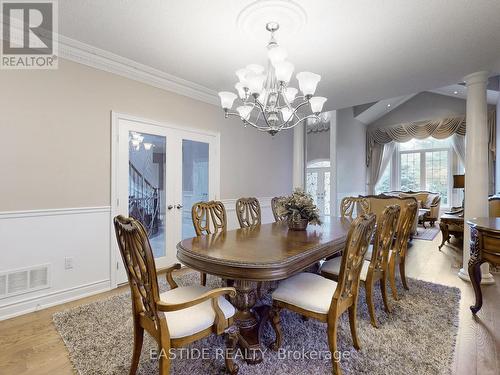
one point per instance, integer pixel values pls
(417, 338)
(428, 233)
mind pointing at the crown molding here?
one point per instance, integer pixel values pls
(86, 54)
(94, 57)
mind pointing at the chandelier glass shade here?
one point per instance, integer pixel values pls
(268, 103)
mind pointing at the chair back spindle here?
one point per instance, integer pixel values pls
(248, 212)
(209, 217)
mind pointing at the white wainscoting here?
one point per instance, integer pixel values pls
(30, 238)
(232, 220)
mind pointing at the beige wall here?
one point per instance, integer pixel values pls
(55, 131)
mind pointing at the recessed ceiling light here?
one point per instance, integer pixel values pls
(455, 92)
(388, 105)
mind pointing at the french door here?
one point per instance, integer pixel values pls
(318, 185)
(160, 172)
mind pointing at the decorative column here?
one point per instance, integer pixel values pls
(476, 164)
(298, 156)
(334, 210)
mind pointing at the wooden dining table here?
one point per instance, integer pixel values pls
(268, 252)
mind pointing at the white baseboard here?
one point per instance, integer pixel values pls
(52, 299)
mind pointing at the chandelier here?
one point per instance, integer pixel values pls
(269, 104)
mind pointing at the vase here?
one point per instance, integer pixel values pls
(298, 224)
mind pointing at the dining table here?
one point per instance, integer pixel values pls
(262, 253)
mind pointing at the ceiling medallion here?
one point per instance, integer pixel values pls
(268, 102)
(288, 14)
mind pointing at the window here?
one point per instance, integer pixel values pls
(384, 184)
(424, 164)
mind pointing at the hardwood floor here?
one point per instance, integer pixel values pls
(30, 344)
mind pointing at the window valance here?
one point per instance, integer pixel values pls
(439, 129)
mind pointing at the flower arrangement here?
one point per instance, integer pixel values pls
(299, 209)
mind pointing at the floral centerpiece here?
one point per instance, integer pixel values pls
(299, 209)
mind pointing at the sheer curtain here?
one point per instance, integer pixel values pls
(458, 144)
(381, 156)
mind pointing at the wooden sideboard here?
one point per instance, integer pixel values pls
(484, 247)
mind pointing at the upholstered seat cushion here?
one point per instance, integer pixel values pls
(332, 267)
(308, 291)
(369, 252)
(194, 319)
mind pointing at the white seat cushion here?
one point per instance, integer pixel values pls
(333, 267)
(308, 291)
(369, 252)
(193, 319)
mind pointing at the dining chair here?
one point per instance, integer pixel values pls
(317, 297)
(351, 205)
(248, 212)
(174, 318)
(249, 216)
(375, 269)
(208, 218)
(274, 207)
(397, 255)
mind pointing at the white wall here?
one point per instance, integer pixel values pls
(424, 106)
(350, 155)
(56, 155)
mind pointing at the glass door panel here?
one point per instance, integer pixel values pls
(312, 185)
(195, 180)
(146, 187)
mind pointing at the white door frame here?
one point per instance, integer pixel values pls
(115, 152)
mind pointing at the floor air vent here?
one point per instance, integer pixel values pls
(24, 280)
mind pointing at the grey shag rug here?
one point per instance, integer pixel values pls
(428, 233)
(418, 337)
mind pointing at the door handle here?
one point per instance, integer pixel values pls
(169, 207)
(179, 206)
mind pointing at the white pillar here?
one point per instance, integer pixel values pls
(497, 164)
(334, 210)
(298, 156)
(476, 163)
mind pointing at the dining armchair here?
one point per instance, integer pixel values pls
(397, 255)
(375, 269)
(208, 218)
(351, 205)
(317, 297)
(174, 318)
(274, 207)
(248, 212)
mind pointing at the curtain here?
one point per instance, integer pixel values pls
(458, 144)
(382, 155)
(440, 129)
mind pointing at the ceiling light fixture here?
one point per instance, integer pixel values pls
(268, 103)
(455, 92)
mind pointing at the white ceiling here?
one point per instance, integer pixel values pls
(365, 50)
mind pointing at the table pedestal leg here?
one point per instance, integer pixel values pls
(249, 319)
